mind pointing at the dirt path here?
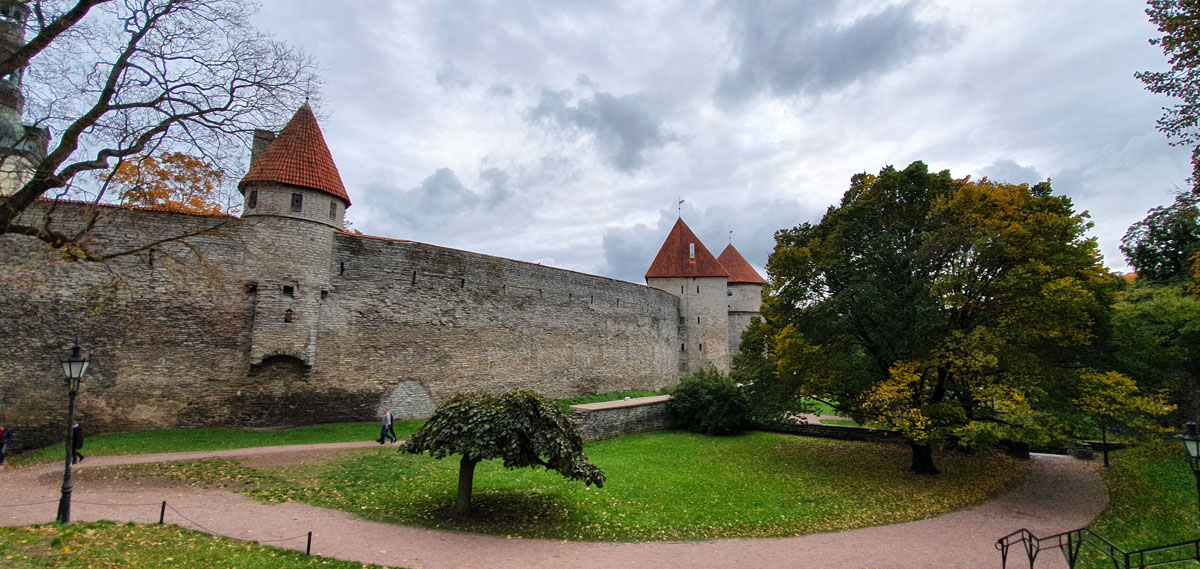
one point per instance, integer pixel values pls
(1059, 494)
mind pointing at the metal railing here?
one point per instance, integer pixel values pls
(1072, 544)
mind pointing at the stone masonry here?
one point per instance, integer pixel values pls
(281, 318)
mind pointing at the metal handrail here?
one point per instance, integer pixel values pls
(1071, 542)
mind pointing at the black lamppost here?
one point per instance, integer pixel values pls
(1191, 442)
(73, 368)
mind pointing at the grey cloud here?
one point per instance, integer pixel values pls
(500, 90)
(623, 127)
(442, 196)
(1010, 172)
(793, 48)
(450, 77)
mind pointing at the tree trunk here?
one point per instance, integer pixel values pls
(466, 476)
(922, 460)
(1104, 443)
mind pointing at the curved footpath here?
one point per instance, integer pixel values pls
(1058, 494)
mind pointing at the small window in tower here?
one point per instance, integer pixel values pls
(288, 291)
(287, 315)
(683, 347)
(297, 201)
(251, 288)
(697, 290)
(701, 347)
(324, 294)
(332, 210)
(252, 199)
(691, 250)
(697, 320)
(728, 292)
(680, 289)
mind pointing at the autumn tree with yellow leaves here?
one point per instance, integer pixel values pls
(956, 312)
(173, 181)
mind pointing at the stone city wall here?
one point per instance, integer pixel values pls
(194, 333)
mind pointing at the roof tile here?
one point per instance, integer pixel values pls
(675, 258)
(298, 157)
(740, 271)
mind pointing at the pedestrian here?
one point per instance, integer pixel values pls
(5, 438)
(76, 443)
(387, 431)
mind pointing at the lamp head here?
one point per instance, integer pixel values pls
(74, 367)
(1191, 441)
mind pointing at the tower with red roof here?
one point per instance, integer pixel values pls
(684, 267)
(744, 294)
(717, 297)
(296, 202)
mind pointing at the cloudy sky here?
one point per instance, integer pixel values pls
(564, 132)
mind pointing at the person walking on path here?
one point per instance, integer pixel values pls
(387, 431)
(5, 438)
(76, 443)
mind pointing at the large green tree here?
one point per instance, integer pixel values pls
(519, 427)
(1164, 246)
(950, 310)
(1156, 341)
(1179, 23)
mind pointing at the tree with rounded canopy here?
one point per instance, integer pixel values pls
(953, 311)
(1164, 245)
(520, 427)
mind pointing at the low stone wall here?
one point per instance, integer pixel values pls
(597, 421)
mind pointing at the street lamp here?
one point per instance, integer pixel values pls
(73, 368)
(1191, 442)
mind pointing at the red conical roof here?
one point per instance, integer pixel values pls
(739, 270)
(683, 255)
(298, 157)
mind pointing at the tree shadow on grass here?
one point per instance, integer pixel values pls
(505, 511)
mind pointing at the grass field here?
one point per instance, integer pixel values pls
(661, 486)
(110, 545)
(1152, 501)
(182, 440)
(565, 404)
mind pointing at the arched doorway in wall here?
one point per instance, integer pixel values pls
(282, 391)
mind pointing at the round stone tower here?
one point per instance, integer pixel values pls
(13, 14)
(294, 204)
(294, 176)
(684, 267)
(744, 294)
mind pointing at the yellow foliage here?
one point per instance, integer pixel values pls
(892, 402)
(173, 180)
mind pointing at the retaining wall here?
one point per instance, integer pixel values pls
(596, 421)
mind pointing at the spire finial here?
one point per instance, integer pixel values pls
(679, 207)
(731, 235)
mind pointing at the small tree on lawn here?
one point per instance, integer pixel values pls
(520, 427)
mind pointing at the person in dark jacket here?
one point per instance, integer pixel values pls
(76, 443)
(5, 439)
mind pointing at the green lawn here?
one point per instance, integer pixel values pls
(661, 486)
(109, 545)
(1152, 500)
(182, 440)
(565, 404)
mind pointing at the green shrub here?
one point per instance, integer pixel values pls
(709, 402)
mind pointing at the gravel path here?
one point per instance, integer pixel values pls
(1059, 494)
